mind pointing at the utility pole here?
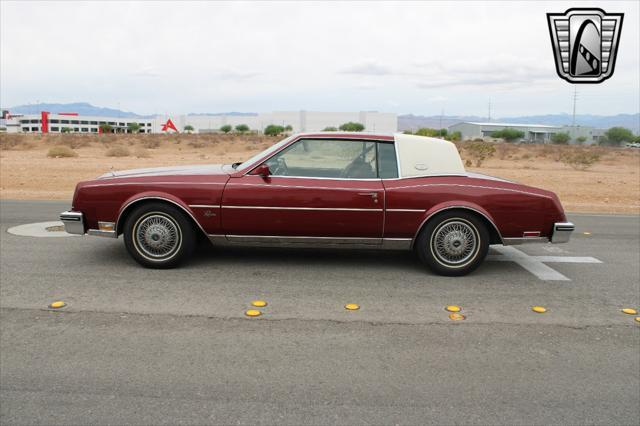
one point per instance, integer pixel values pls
(575, 98)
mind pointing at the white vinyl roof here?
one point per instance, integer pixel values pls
(424, 156)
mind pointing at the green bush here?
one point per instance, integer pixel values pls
(352, 127)
(617, 136)
(581, 139)
(241, 128)
(508, 134)
(226, 128)
(330, 129)
(560, 138)
(188, 128)
(454, 136)
(133, 127)
(273, 130)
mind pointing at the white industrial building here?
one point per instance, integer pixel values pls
(540, 133)
(300, 121)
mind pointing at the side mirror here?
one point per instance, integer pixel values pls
(262, 170)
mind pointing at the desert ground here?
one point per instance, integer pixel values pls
(29, 170)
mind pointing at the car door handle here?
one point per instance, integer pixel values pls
(373, 195)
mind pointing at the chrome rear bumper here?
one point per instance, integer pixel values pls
(73, 222)
(562, 232)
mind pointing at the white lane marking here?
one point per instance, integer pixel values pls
(535, 265)
(566, 259)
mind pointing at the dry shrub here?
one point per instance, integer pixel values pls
(526, 156)
(196, 144)
(151, 143)
(8, 142)
(25, 146)
(504, 150)
(141, 152)
(480, 151)
(580, 160)
(61, 151)
(73, 141)
(118, 151)
(547, 151)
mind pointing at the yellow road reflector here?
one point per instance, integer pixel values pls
(57, 305)
(253, 313)
(456, 316)
(587, 233)
(453, 308)
(352, 306)
(629, 311)
(259, 303)
(539, 309)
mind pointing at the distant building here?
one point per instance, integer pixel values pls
(58, 123)
(300, 121)
(540, 133)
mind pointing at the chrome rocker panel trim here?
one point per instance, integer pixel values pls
(73, 222)
(311, 242)
(100, 233)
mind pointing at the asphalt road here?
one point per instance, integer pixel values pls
(173, 347)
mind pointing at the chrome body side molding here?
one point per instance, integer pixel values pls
(311, 242)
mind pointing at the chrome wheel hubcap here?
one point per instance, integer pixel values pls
(157, 236)
(455, 242)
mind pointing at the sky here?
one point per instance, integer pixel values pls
(405, 57)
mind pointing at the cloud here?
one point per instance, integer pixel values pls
(502, 70)
(236, 75)
(367, 68)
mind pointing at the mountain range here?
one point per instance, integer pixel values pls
(405, 122)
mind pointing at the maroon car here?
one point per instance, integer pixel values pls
(346, 190)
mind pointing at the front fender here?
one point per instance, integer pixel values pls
(132, 201)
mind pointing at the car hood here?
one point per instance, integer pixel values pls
(207, 169)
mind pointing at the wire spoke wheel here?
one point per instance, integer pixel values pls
(157, 236)
(455, 242)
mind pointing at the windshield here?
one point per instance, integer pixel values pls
(267, 152)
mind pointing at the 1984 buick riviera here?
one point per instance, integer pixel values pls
(343, 190)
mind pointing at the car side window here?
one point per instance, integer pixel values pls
(326, 158)
(387, 161)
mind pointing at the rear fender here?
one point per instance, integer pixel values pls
(494, 231)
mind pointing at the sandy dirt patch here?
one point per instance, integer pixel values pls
(612, 185)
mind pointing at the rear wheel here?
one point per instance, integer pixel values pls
(453, 243)
(159, 235)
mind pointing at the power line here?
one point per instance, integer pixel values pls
(575, 98)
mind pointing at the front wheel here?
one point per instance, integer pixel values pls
(453, 243)
(158, 235)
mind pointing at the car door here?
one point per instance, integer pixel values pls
(324, 189)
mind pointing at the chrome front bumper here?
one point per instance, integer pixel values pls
(73, 222)
(562, 232)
